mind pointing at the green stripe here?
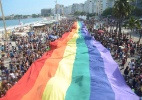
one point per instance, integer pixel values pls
(80, 85)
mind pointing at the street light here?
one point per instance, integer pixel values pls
(3, 20)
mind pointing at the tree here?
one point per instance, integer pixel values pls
(121, 10)
(90, 15)
(25, 16)
(107, 12)
(34, 16)
(132, 24)
(77, 13)
(83, 13)
(18, 17)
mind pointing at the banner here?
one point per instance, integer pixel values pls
(75, 68)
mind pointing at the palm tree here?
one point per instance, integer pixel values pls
(3, 20)
(132, 24)
(121, 10)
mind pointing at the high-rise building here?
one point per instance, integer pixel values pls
(101, 5)
(68, 10)
(90, 6)
(80, 7)
(45, 12)
(59, 9)
(74, 8)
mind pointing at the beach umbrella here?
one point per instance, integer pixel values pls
(52, 36)
(75, 68)
(30, 33)
(100, 31)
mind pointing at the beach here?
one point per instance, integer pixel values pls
(15, 23)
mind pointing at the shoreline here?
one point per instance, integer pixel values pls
(10, 27)
(42, 20)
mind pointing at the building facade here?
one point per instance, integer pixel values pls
(89, 6)
(68, 10)
(59, 9)
(53, 11)
(46, 12)
(80, 7)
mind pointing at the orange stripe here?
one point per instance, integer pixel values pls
(48, 70)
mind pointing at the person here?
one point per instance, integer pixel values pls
(123, 63)
(126, 71)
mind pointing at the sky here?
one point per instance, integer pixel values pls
(26, 7)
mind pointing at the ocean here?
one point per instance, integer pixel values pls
(12, 23)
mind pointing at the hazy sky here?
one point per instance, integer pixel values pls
(32, 6)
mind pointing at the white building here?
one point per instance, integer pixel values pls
(90, 6)
(86, 7)
(68, 10)
(110, 3)
(59, 9)
(97, 6)
(101, 5)
(80, 7)
(74, 8)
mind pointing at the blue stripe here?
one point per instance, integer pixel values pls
(100, 86)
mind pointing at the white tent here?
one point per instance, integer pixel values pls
(38, 24)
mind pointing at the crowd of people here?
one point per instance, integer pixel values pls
(25, 50)
(121, 47)
(32, 47)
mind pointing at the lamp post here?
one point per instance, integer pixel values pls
(56, 9)
(3, 21)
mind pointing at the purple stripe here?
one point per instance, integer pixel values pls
(118, 84)
(100, 86)
(112, 74)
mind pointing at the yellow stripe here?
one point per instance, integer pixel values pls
(57, 86)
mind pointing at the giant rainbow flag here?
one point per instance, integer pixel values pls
(76, 68)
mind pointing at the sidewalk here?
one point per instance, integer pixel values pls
(7, 60)
(135, 38)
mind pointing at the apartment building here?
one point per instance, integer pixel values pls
(89, 6)
(59, 9)
(45, 12)
(68, 10)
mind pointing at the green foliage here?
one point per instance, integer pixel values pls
(137, 11)
(122, 8)
(35, 15)
(133, 23)
(107, 12)
(77, 13)
(17, 16)
(91, 14)
(83, 13)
